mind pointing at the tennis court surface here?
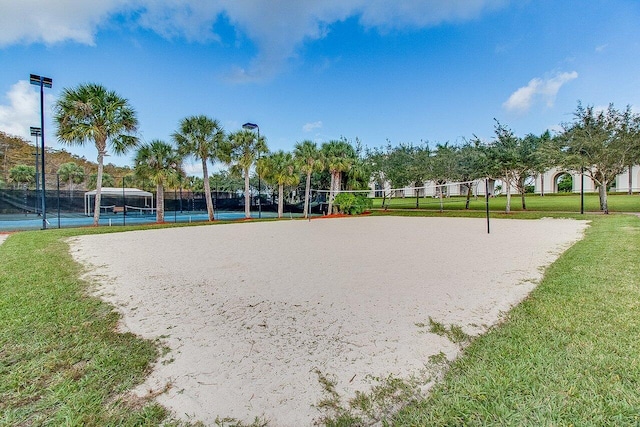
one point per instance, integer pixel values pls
(253, 311)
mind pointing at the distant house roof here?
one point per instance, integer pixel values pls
(116, 191)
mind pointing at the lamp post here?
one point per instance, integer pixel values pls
(252, 126)
(582, 191)
(583, 153)
(36, 131)
(43, 82)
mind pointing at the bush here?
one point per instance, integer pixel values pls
(349, 203)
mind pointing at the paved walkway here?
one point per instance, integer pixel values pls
(2, 237)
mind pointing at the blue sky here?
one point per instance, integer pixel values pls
(405, 71)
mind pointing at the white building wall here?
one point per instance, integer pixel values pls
(547, 183)
(543, 184)
(622, 180)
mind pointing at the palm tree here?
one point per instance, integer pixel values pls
(279, 168)
(204, 139)
(339, 157)
(72, 173)
(244, 148)
(309, 159)
(107, 181)
(23, 174)
(160, 163)
(91, 112)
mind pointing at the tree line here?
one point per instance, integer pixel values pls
(601, 143)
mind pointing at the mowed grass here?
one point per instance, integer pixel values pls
(534, 202)
(568, 355)
(61, 360)
(565, 356)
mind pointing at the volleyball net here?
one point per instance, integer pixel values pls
(447, 195)
(139, 211)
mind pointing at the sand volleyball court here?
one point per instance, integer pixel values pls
(253, 311)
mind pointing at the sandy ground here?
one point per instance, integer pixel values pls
(253, 311)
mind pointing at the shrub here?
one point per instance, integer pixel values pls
(349, 203)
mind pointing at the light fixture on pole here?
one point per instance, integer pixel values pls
(36, 131)
(43, 82)
(252, 126)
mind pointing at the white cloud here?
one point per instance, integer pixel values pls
(49, 22)
(22, 111)
(546, 89)
(278, 27)
(308, 127)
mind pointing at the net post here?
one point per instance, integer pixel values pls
(486, 193)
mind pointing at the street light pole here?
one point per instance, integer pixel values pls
(36, 131)
(582, 191)
(252, 126)
(43, 82)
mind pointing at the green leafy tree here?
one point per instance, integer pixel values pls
(444, 166)
(309, 159)
(23, 174)
(339, 158)
(378, 164)
(514, 160)
(204, 139)
(243, 150)
(107, 181)
(409, 164)
(90, 112)
(600, 143)
(565, 183)
(546, 156)
(195, 184)
(472, 165)
(160, 163)
(359, 175)
(279, 168)
(72, 174)
(630, 133)
(225, 182)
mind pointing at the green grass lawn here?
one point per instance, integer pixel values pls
(548, 203)
(567, 355)
(61, 360)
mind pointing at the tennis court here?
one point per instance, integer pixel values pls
(253, 311)
(34, 222)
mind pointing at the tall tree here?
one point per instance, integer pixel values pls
(309, 159)
(90, 112)
(378, 161)
(471, 165)
(23, 174)
(279, 168)
(226, 182)
(359, 174)
(409, 164)
(244, 149)
(72, 174)
(160, 163)
(630, 133)
(598, 143)
(107, 181)
(513, 160)
(204, 139)
(339, 158)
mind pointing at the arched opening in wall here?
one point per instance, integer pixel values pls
(530, 185)
(563, 183)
